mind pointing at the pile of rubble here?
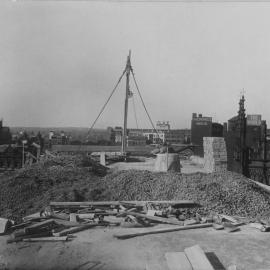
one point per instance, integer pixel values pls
(228, 193)
(66, 179)
(56, 178)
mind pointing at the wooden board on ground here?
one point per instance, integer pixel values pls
(163, 230)
(218, 226)
(157, 219)
(46, 239)
(228, 218)
(35, 216)
(198, 259)
(75, 229)
(36, 226)
(177, 261)
(184, 203)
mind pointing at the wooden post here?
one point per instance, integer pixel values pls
(124, 139)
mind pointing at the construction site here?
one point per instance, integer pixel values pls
(203, 205)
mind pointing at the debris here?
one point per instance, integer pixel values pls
(20, 238)
(198, 259)
(46, 239)
(259, 226)
(190, 222)
(38, 226)
(132, 222)
(163, 230)
(228, 218)
(86, 216)
(5, 224)
(229, 227)
(156, 219)
(218, 226)
(73, 217)
(35, 216)
(76, 229)
(67, 223)
(178, 203)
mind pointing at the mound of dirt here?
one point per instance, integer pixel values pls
(67, 179)
(227, 193)
(62, 179)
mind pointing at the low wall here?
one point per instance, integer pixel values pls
(167, 162)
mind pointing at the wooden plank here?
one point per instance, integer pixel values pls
(157, 219)
(163, 230)
(20, 238)
(62, 216)
(198, 259)
(76, 229)
(117, 203)
(229, 227)
(20, 225)
(177, 261)
(36, 226)
(190, 222)
(185, 203)
(229, 218)
(46, 239)
(218, 226)
(68, 223)
(78, 204)
(35, 216)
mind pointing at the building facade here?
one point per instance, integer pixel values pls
(201, 126)
(5, 134)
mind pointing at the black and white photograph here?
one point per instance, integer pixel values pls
(134, 135)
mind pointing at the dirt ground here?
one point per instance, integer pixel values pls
(98, 249)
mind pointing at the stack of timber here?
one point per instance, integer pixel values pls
(215, 154)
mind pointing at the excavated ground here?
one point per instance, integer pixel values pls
(77, 179)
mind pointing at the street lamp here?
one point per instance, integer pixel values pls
(23, 143)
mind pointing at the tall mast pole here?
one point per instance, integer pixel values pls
(124, 140)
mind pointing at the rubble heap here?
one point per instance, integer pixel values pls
(59, 178)
(31, 189)
(227, 193)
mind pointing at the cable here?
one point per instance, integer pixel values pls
(102, 109)
(144, 103)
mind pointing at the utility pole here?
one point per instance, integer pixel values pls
(124, 139)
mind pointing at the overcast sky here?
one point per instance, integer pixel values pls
(59, 61)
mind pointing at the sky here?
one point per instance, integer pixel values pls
(59, 61)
